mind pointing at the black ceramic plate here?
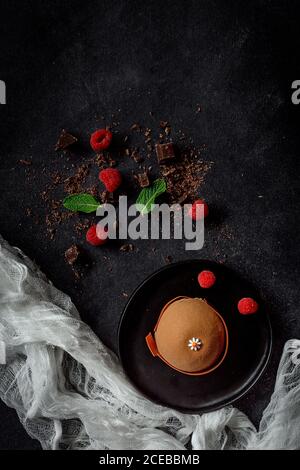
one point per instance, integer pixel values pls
(250, 339)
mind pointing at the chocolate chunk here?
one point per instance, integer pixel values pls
(100, 160)
(127, 247)
(164, 152)
(65, 140)
(143, 180)
(71, 254)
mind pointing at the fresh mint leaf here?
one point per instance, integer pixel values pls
(82, 202)
(147, 196)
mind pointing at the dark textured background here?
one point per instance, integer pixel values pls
(67, 63)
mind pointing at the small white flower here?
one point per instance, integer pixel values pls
(194, 344)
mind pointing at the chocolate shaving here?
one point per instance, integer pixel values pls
(72, 254)
(82, 225)
(73, 184)
(166, 127)
(93, 190)
(56, 178)
(112, 163)
(184, 177)
(136, 156)
(168, 259)
(136, 127)
(182, 198)
(100, 160)
(168, 130)
(147, 134)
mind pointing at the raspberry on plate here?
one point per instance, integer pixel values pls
(206, 279)
(100, 139)
(247, 306)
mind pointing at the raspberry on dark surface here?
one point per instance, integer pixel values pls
(96, 235)
(100, 139)
(193, 212)
(111, 178)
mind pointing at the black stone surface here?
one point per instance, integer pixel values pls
(66, 64)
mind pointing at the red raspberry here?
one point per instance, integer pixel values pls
(111, 178)
(96, 235)
(246, 306)
(206, 279)
(193, 210)
(100, 139)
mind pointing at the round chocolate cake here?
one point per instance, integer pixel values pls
(190, 336)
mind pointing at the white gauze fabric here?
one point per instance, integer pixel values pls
(70, 391)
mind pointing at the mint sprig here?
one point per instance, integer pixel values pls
(147, 196)
(82, 202)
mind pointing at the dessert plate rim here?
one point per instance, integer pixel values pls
(203, 409)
